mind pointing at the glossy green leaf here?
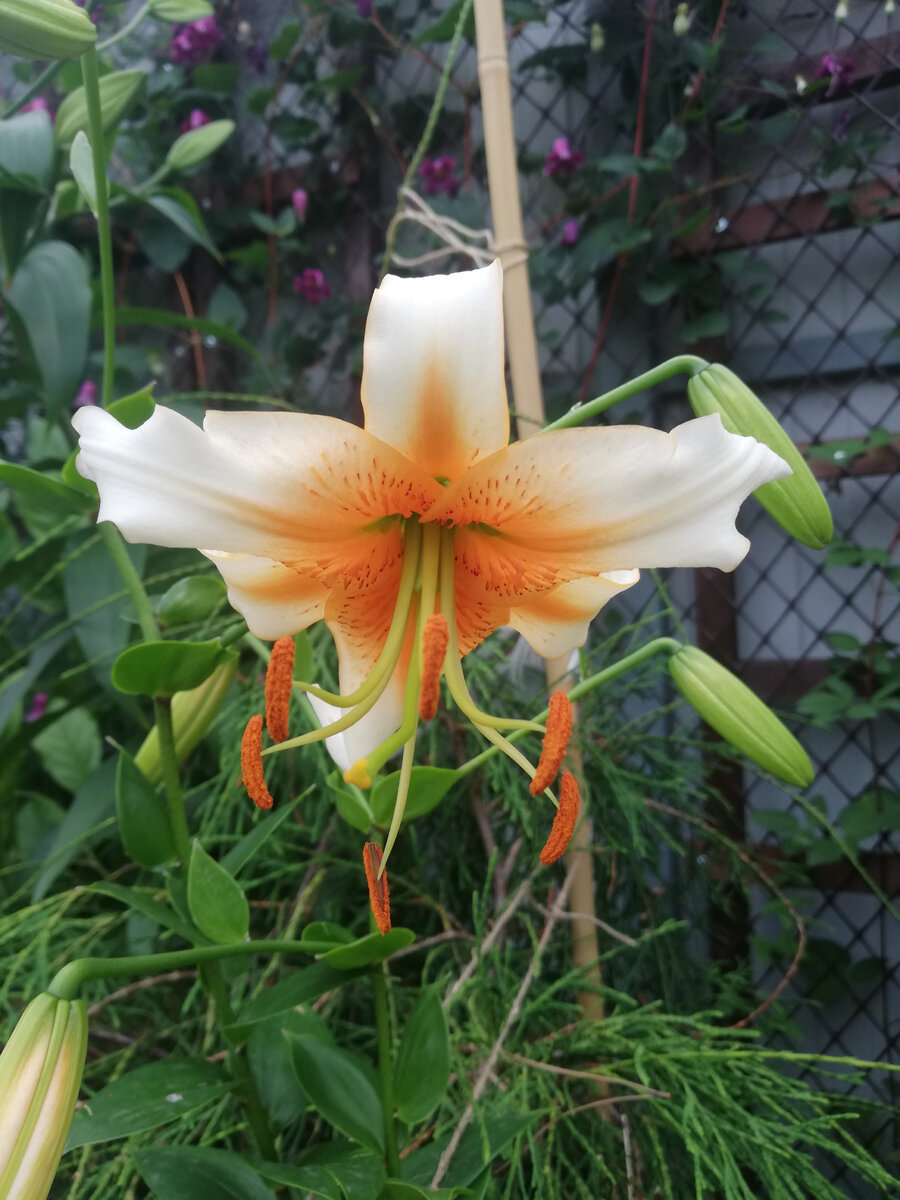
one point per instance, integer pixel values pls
(127, 315)
(51, 297)
(199, 1173)
(146, 1098)
(143, 901)
(180, 11)
(90, 582)
(299, 988)
(398, 1189)
(164, 668)
(339, 1090)
(143, 819)
(266, 826)
(875, 811)
(351, 803)
(196, 145)
(81, 164)
(216, 900)
(360, 1173)
(37, 488)
(89, 818)
(309, 1180)
(118, 92)
(70, 748)
(192, 599)
(366, 951)
(326, 932)
(427, 788)
(478, 1147)
(26, 150)
(271, 1065)
(132, 411)
(422, 1069)
(175, 209)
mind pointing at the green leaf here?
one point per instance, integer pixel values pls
(51, 297)
(43, 490)
(327, 933)
(180, 11)
(876, 811)
(272, 1067)
(70, 748)
(141, 901)
(199, 1173)
(175, 209)
(309, 1181)
(143, 819)
(146, 1098)
(670, 145)
(477, 1148)
(301, 987)
(397, 1189)
(196, 145)
(360, 1173)
(132, 411)
(843, 643)
(158, 316)
(351, 803)
(366, 951)
(86, 821)
(88, 582)
(193, 599)
(443, 29)
(711, 324)
(164, 668)
(266, 825)
(428, 786)
(340, 1090)
(26, 150)
(422, 1069)
(216, 900)
(81, 164)
(118, 92)
(216, 77)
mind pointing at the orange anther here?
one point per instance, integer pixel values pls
(279, 680)
(252, 764)
(435, 637)
(563, 822)
(556, 739)
(379, 896)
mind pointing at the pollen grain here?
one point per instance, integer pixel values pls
(563, 822)
(556, 739)
(252, 764)
(435, 638)
(379, 895)
(279, 680)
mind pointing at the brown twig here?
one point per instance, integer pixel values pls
(613, 933)
(590, 1076)
(502, 921)
(196, 343)
(701, 74)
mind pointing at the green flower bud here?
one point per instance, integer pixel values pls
(197, 144)
(192, 714)
(796, 503)
(118, 92)
(45, 29)
(40, 1073)
(739, 716)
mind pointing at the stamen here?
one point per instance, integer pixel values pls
(435, 636)
(279, 679)
(252, 765)
(379, 895)
(556, 739)
(563, 822)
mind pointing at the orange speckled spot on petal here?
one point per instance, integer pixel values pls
(563, 822)
(435, 637)
(556, 739)
(279, 680)
(379, 896)
(252, 765)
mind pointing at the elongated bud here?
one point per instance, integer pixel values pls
(739, 716)
(197, 144)
(45, 29)
(40, 1073)
(118, 91)
(796, 503)
(193, 713)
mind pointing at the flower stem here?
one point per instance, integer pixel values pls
(683, 363)
(126, 29)
(383, 1026)
(168, 759)
(139, 598)
(107, 282)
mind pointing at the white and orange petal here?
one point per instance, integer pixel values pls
(283, 486)
(433, 369)
(556, 622)
(275, 600)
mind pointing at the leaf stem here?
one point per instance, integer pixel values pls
(382, 1022)
(168, 759)
(682, 363)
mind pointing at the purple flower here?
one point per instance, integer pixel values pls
(194, 40)
(437, 176)
(838, 70)
(38, 104)
(86, 394)
(194, 120)
(38, 704)
(571, 230)
(300, 201)
(364, 8)
(839, 129)
(312, 285)
(562, 159)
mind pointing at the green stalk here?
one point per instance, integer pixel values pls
(104, 237)
(46, 77)
(683, 363)
(162, 707)
(126, 29)
(383, 1026)
(139, 598)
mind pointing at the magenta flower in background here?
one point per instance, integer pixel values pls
(838, 70)
(570, 232)
(300, 201)
(312, 285)
(194, 120)
(562, 159)
(194, 40)
(86, 394)
(364, 8)
(437, 175)
(38, 104)
(38, 704)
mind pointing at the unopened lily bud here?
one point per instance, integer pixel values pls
(598, 38)
(841, 11)
(796, 503)
(45, 29)
(118, 91)
(197, 144)
(889, 8)
(192, 714)
(682, 22)
(40, 1073)
(739, 716)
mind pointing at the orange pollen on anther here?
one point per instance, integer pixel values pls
(252, 764)
(435, 638)
(556, 739)
(379, 896)
(279, 680)
(563, 822)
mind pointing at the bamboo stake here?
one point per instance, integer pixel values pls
(512, 249)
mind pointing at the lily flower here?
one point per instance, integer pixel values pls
(418, 535)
